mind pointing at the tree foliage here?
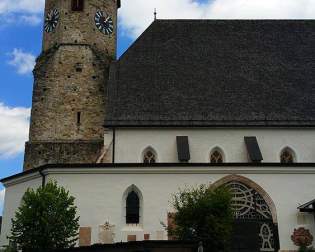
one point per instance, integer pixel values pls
(203, 214)
(46, 220)
(9, 248)
(306, 249)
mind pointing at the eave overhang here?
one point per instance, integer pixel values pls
(162, 168)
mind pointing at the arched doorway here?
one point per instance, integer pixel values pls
(255, 222)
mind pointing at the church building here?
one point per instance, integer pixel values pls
(220, 102)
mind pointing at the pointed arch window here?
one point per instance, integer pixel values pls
(216, 156)
(132, 208)
(149, 156)
(287, 156)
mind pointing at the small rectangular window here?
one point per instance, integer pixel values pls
(77, 5)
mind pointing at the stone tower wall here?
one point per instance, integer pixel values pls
(69, 89)
(69, 80)
(76, 27)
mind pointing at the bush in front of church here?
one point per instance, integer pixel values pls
(203, 214)
(46, 220)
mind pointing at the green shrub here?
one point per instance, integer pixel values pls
(46, 220)
(306, 249)
(203, 214)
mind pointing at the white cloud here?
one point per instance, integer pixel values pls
(261, 9)
(14, 126)
(21, 12)
(136, 15)
(22, 6)
(31, 19)
(15, 19)
(22, 61)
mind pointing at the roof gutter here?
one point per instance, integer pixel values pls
(118, 166)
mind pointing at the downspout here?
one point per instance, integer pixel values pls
(313, 205)
(43, 177)
(114, 145)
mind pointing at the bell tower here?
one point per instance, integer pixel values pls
(70, 79)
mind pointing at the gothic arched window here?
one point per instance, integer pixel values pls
(77, 5)
(216, 156)
(149, 156)
(287, 156)
(133, 208)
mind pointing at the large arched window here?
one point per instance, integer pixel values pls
(254, 215)
(133, 208)
(149, 156)
(216, 156)
(287, 156)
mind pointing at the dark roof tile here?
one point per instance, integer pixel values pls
(216, 73)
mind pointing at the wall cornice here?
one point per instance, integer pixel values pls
(227, 168)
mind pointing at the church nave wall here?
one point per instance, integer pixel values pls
(131, 143)
(101, 193)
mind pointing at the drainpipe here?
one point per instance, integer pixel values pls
(313, 205)
(43, 177)
(114, 145)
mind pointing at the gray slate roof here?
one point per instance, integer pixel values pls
(216, 73)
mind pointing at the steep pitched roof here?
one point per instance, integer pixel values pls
(216, 73)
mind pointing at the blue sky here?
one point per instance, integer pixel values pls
(20, 43)
(16, 87)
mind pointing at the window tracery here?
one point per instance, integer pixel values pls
(287, 156)
(248, 204)
(266, 238)
(149, 157)
(216, 157)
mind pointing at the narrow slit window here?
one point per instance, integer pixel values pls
(79, 118)
(78, 67)
(77, 5)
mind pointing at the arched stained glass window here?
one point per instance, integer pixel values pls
(250, 207)
(149, 157)
(132, 208)
(247, 203)
(216, 156)
(287, 156)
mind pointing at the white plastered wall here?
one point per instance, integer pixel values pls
(130, 143)
(99, 198)
(12, 200)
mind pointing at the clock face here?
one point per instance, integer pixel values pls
(51, 20)
(104, 23)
